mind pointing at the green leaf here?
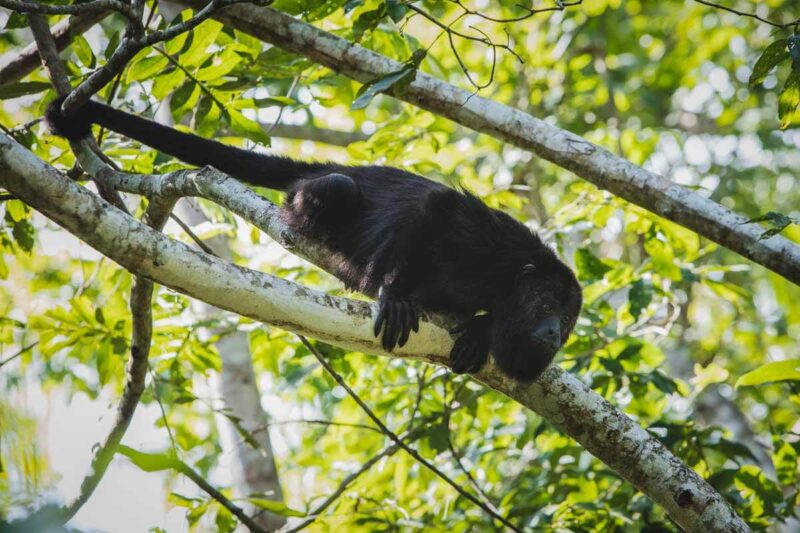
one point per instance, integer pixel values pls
(105, 366)
(589, 266)
(777, 222)
(274, 507)
(274, 100)
(396, 10)
(84, 52)
(167, 83)
(247, 128)
(16, 20)
(368, 21)
(202, 38)
(23, 233)
(438, 436)
(789, 99)
(16, 210)
(149, 462)
(794, 47)
(113, 44)
(775, 371)
(396, 80)
(146, 68)
(13, 90)
(639, 297)
(775, 53)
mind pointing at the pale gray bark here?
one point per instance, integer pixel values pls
(563, 399)
(572, 152)
(253, 469)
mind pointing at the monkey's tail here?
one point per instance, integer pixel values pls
(259, 169)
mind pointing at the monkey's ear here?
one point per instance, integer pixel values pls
(526, 269)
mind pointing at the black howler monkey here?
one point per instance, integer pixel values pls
(411, 242)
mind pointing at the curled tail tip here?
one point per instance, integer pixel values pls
(75, 127)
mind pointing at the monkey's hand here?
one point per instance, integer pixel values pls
(471, 350)
(398, 317)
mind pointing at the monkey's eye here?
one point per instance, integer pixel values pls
(547, 308)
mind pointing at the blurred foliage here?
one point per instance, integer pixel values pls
(687, 338)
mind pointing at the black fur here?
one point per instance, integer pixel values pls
(413, 243)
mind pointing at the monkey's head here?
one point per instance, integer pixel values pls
(536, 319)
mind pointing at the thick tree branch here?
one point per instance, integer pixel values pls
(589, 161)
(563, 399)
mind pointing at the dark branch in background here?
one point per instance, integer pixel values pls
(28, 59)
(96, 6)
(23, 350)
(795, 22)
(158, 462)
(398, 441)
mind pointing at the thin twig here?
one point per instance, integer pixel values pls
(759, 18)
(197, 240)
(397, 440)
(351, 478)
(20, 352)
(560, 6)
(320, 423)
(457, 456)
(154, 463)
(157, 396)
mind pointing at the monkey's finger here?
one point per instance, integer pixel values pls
(406, 319)
(396, 322)
(380, 319)
(415, 317)
(387, 328)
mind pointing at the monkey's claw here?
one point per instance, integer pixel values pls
(471, 349)
(398, 318)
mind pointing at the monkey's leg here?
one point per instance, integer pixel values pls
(471, 349)
(323, 202)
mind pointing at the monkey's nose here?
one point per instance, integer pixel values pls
(548, 332)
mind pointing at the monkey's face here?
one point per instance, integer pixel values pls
(536, 319)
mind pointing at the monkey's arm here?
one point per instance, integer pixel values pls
(471, 349)
(251, 167)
